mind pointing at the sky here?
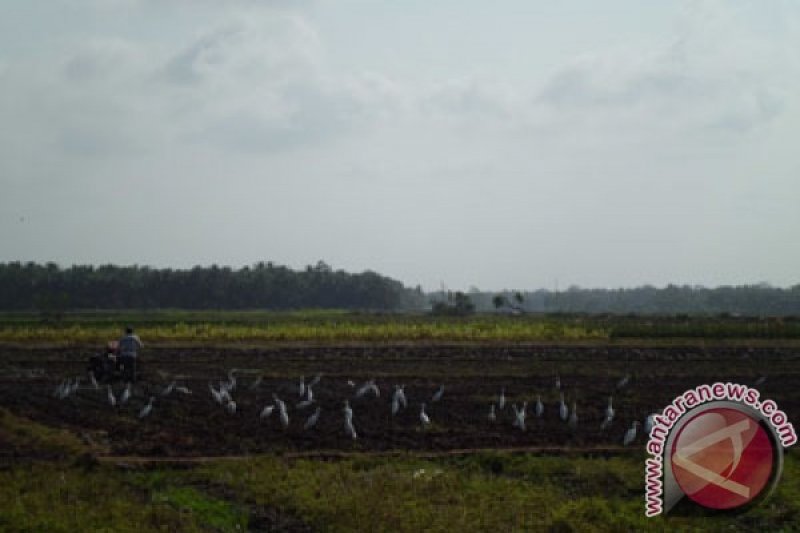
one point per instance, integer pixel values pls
(517, 144)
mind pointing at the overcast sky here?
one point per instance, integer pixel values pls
(491, 144)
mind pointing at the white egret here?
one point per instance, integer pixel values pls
(395, 403)
(563, 411)
(610, 408)
(62, 390)
(126, 394)
(225, 395)
(111, 399)
(231, 407)
(558, 382)
(147, 408)
(492, 414)
(168, 389)
(423, 416)
(573, 417)
(302, 387)
(519, 415)
(437, 396)
(215, 393)
(630, 435)
(649, 422)
(267, 411)
(539, 406)
(312, 420)
(366, 387)
(349, 429)
(401, 396)
(309, 394)
(501, 401)
(398, 399)
(283, 415)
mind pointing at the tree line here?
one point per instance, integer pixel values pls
(745, 300)
(50, 288)
(265, 285)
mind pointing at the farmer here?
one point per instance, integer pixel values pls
(128, 347)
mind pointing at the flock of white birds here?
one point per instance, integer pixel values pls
(222, 394)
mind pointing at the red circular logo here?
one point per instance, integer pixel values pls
(722, 458)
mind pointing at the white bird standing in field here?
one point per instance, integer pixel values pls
(519, 415)
(126, 394)
(349, 429)
(539, 406)
(147, 408)
(368, 386)
(302, 387)
(401, 396)
(312, 420)
(231, 386)
(630, 435)
(492, 414)
(267, 411)
(224, 394)
(573, 417)
(309, 393)
(395, 401)
(111, 399)
(168, 389)
(558, 382)
(501, 400)
(63, 390)
(214, 393)
(610, 408)
(423, 416)
(230, 407)
(563, 411)
(649, 422)
(437, 396)
(284, 415)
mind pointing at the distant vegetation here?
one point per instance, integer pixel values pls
(744, 300)
(51, 290)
